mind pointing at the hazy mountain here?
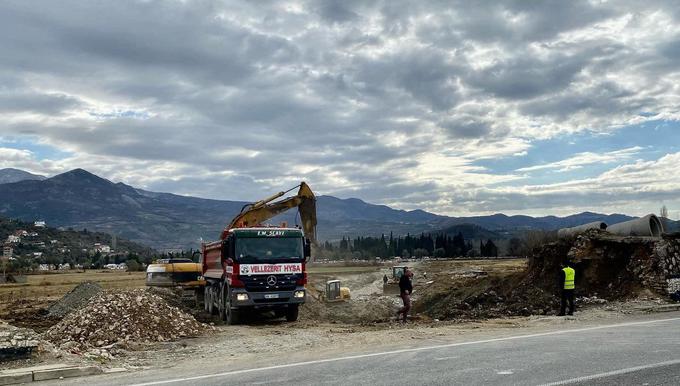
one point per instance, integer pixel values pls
(9, 175)
(501, 222)
(471, 232)
(80, 199)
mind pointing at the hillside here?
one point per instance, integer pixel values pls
(9, 175)
(80, 199)
(61, 245)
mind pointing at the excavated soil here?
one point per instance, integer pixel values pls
(123, 319)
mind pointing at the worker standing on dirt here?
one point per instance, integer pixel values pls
(406, 288)
(567, 279)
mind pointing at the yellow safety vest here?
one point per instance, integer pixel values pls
(569, 276)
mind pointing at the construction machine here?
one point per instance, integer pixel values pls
(335, 292)
(259, 267)
(174, 272)
(392, 284)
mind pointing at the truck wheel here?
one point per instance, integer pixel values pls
(292, 313)
(199, 298)
(211, 304)
(222, 303)
(231, 316)
(206, 298)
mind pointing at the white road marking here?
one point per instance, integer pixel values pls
(445, 358)
(505, 372)
(613, 373)
(407, 350)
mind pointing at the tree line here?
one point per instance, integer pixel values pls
(418, 246)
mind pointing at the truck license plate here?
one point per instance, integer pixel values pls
(271, 296)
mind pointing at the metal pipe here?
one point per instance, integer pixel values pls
(573, 231)
(649, 226)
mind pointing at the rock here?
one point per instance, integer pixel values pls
(121, 319)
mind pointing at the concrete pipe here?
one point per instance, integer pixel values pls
(570, 232)
(649, 226)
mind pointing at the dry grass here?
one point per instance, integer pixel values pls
(53, 286)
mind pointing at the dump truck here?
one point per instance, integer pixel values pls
(258, 267)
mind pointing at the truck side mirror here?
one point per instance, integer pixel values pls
(225, 248)
(308, 249)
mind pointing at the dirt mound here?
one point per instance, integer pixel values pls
(15, 342)
(123, 319)
(485, 298)
(354, 311)
(75, 299)
(607, 267)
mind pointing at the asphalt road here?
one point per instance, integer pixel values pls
(639, 352)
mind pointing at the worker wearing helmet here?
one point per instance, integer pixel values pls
(567, 284)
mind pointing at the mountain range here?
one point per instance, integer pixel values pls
(9, 175)
(80, 199)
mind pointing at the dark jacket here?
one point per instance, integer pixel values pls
(405, 284)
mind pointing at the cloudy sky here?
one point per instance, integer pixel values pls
(548, 107)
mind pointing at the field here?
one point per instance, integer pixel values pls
(24, 303)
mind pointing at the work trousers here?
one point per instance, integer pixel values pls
(567, 297)
(406, 298)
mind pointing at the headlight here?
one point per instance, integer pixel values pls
(299, 294)
(241, 297)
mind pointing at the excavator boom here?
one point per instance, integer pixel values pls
(258, 212)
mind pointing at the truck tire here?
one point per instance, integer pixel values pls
(228, 314)
(221, 302)
(206, 298)
(212, 310)
(292, 313)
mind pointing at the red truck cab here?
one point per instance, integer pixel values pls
(255, 269)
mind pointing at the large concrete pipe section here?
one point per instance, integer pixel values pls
(570, 232)
(649, 226)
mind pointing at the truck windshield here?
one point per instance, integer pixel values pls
(265, 249)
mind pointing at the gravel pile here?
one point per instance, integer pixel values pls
(15, 342)
(75, 299)
(123, 319)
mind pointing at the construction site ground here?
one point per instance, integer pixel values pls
(365, 322)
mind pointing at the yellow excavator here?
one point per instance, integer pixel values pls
(258, 212)
(188, 275)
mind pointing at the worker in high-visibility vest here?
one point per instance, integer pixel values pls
(567, 284)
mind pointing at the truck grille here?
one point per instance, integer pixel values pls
(258, 283)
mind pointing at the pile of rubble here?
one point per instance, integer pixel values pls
(16, 342)
(123, 320)
(608, 267)
(75, 299)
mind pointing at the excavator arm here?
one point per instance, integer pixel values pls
(263, 210)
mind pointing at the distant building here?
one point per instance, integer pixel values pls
(21, 233)
(37, 255)
(121, 266)
(40, 224)
(13, 239)
(103, 248)
(7, 252)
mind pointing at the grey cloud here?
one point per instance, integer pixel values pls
(336, 11)
(466, 127)
(525, 77)
(26, 101)
(331, 91)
